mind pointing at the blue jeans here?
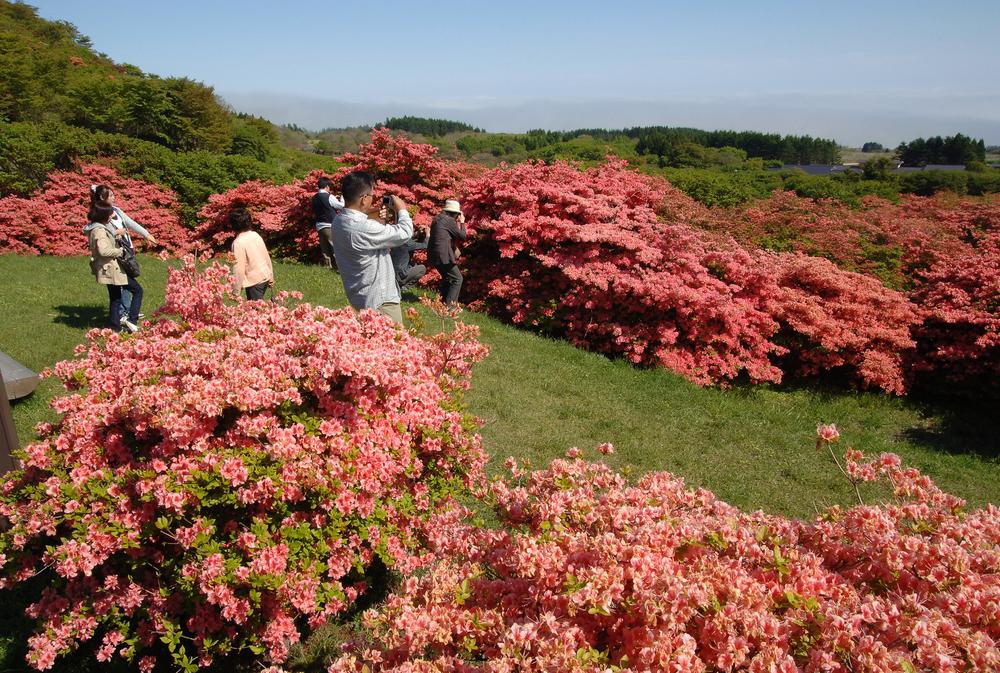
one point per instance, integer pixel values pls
(117, 308)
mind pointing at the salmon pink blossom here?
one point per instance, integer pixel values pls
(184, 510)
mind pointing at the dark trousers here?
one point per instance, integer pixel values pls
(256, 292)
(410, 276)
(451, 282)
(115, 295)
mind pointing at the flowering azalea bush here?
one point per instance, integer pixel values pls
(582, 254)
(411, 171)
(227, 478)
(887, 240)
(51, 221)
(590, 573)
(283, 214)
(959, 338)
(617, 262)
(833, 319)
(941, 251)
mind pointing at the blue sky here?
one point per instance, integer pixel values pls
(836, 69)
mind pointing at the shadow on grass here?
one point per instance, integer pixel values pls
(957, 423)
(81, 317)
(958, 427)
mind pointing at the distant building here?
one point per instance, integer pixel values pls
(824, 169)
(810, 169)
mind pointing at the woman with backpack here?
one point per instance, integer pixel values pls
(107, 246)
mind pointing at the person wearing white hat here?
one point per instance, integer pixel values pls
(447, 229)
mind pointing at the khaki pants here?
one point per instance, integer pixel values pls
(326, 247)
(393, 310)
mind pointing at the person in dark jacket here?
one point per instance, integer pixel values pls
(447, 228)
(325, 207)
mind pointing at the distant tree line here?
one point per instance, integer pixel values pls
(425, 126)
(667, 142)
(955, 150)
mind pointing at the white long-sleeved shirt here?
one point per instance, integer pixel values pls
(120, 219)
(362, 247)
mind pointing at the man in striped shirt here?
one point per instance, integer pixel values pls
(362, 246)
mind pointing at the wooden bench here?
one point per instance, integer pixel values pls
(16, 381)
(8, 436)
(19, 380)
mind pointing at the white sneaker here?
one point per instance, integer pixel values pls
(129, 325)
(141, 316)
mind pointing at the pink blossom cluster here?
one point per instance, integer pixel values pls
(619, 263)
(959, 292)
(877, 237)
(410, 170)
(283, 214)
(51, 221)
(942, 251)
(589, 573)
(222, 482)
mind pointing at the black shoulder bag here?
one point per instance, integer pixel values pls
(127, 262)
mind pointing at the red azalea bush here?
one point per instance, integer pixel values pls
(889, 241)
(941, 250)
(588, 573)
(959, 338)
(588, 255)
(283, 214)
(834, 319)
(411, 171)
(51, 221)
(582, 254)
(223, 480)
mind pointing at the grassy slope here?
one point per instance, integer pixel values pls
(753, 447)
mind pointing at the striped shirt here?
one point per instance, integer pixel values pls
(362, 246)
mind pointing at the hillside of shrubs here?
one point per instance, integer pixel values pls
(241, 479)
(887, 296)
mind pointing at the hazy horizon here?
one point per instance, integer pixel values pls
(834, 118)
(852, 71)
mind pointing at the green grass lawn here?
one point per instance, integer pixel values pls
(538, 397)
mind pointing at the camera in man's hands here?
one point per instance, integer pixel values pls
(390, 211)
